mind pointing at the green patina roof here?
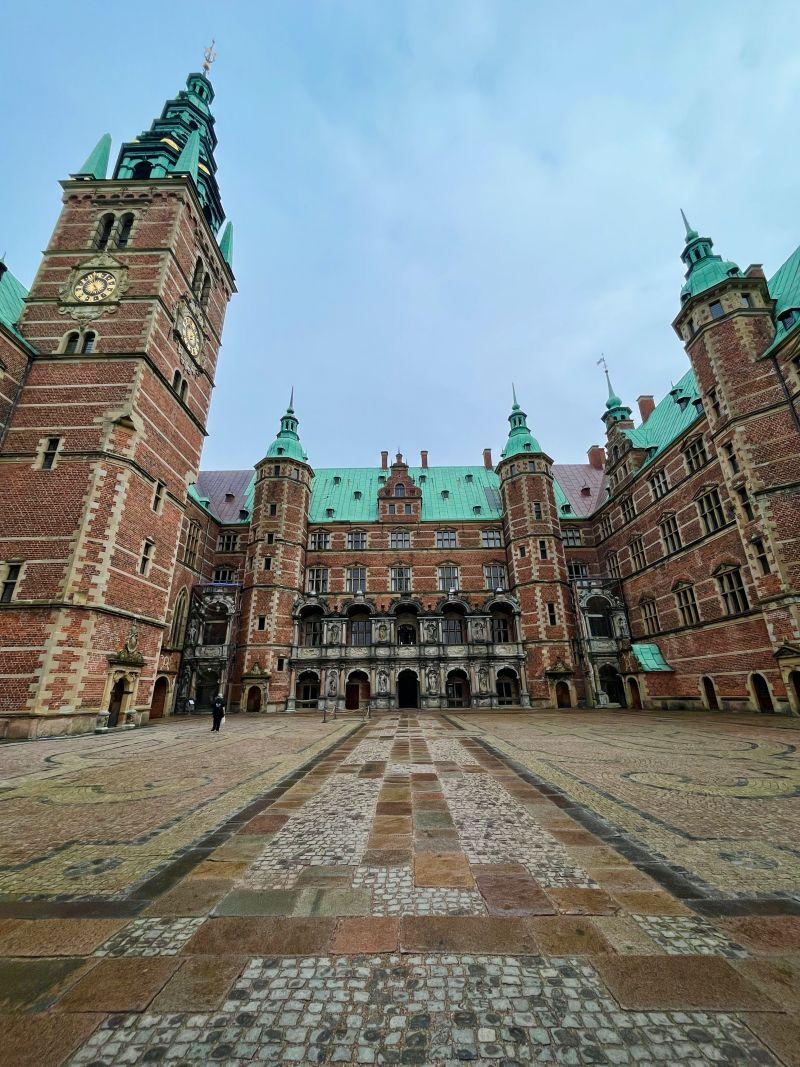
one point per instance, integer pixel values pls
(649, 658)
(287, 444)
(703, 268)
(12, 301)
(520, 440)
(96, 166)
(669, 418)
(226, 244)
(616, 411)
(201, 501)
(188, 162)
(784, 288)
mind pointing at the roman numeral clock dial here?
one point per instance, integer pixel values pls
(95, 286)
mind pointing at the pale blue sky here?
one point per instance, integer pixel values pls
(431, 199)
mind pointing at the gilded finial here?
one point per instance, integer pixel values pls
(209, 55)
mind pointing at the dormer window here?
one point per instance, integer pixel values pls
(476, 509)
(445, 494)
(422, 479)
(337, 480)
(399, 490)
(468, 478)
(788, 319)
(357, 494)
(329, 512)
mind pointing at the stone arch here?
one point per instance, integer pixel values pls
(457, 688)
(357, 690)
(760, 693)
(408, 688)
(563, 694)
(158, 703)
(254, 699)
(634, 694)
(508, 687)
(709, 694)
(307, 689)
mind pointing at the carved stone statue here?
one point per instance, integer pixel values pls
(430, 630)
(483, 679)
(383, 633)
(480, 630)
(334, 633)
(333, 685)
(383, 682)
(432, 678)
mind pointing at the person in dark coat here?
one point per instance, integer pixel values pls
(217, 712)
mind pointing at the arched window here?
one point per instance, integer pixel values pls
(124, 231)
(197, 278)
(176, 381)
(178, 620)
(206, 290)
(182, 390)
(399, 490)
(71, 343)
(215, 626)
(142, 170)
(104, 232)
(598, 612)
(89, 339)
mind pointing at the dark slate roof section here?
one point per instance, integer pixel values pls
(573, 479)
(227, 492)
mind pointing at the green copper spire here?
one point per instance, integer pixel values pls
(181, 141)
(287, 444)
(615, 411)
(520, 440)
(96, 166)
(226, 244)
(188, 161)
(613, 400)
(703, 269)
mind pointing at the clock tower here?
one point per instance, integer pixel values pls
(123, 323)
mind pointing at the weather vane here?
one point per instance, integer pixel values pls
(602, 362)
(209, 56)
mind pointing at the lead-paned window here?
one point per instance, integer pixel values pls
(658, 484)
(317, 580)
(612, 564)
(638, 557)
(650, 617)
(356, 539)
(400, 579)
(356, 581)
(695, 455)
(446, 539)
(670, 534)
(448, 578)
(453, 630)
(687, 605)
(491, 539)
(494, 576)
(192, 542)
(710, 507)
(732, 591)
(360, 631)
(576, 569)
(228, 542)
(400, 539)
(10, 580)
(572, 537)
(628, 510)
(312, 632)
(319, 541)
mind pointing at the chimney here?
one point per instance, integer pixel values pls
(384, 461)
(597, 457)
(647, 406)
(423, 458)
(487, 459)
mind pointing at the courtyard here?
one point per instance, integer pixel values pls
(493, 888)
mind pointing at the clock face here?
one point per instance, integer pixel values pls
(95, 286)
(190, 334)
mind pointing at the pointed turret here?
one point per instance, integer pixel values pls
(181, 141)
(96, 166)
(188, 161)
(287, 443)
(704, 269)
(226, 244)
(615, 411)
(520, 439)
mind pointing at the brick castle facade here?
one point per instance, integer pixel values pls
(664, 572)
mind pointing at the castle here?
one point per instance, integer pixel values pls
(663, 573)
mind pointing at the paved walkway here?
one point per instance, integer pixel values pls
(410, 897)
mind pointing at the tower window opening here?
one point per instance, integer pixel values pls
(142, 170)
(50, 452)
(197, 278)
(206, 291)
(10, 580)
(124, 231)
(89, 339)
(71, 345)
(104, 232)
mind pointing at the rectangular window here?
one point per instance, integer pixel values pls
(491, 539)
(638, 557)
(543, 549)
(267, 563)
(670, 534)
(761, 555)
(312, 631)
(360, 632)
(716, 309)
(494, 576)
(522, 551)
(391, 509)
(446, 539)
(658, 485)
(49, 453)
(606, 527)
(356, 581)
(319, 541)
(400, 579)
(713, 400)
(747, 301)
(400, 539)
(223, 574)
(695, 455)
(453, 630)
(407, 509)
(272, 510)
(576, 569)
(192, 543)
(730, 455)
(612, 564)
(317, 580)
(146, 557)
(537, 511)
(158, 496)
(262, 622)
(228, 542)
(281, 664)
(10, 582)
(687, 605)
(448, 578)
(356, 539)
(501, 629)
(710, 507)
(276, 470)
(628, 510)
(572, 537)
(551, 614)
(270, 538)
(650, 617)
(732, 590)
(747, 506)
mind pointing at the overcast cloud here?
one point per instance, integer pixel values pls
(431, 200)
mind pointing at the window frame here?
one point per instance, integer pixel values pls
(443, 585)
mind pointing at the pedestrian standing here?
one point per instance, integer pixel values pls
(217, 712)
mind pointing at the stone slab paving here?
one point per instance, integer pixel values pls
(411, 897)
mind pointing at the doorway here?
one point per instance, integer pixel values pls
(356, 691)
(563, 695)
(635, 692)
(159, 698)
(207, 688)
(794, 686)
(254, 698)
(308, 690)
(710, 693)
(115, 702)
(507, 688)
(407, 689)
(611, 684)
(762, 694)
(457, 690)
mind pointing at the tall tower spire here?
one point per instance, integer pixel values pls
(520, 438)
(703, 268)
(96, 165)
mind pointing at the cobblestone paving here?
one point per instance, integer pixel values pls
(727, 814)
(417, 1009)
(683, 936)
(411, 899)
(494, 828)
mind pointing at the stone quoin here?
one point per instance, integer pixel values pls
(664, 572)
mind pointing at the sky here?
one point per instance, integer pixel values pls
(432, 199)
